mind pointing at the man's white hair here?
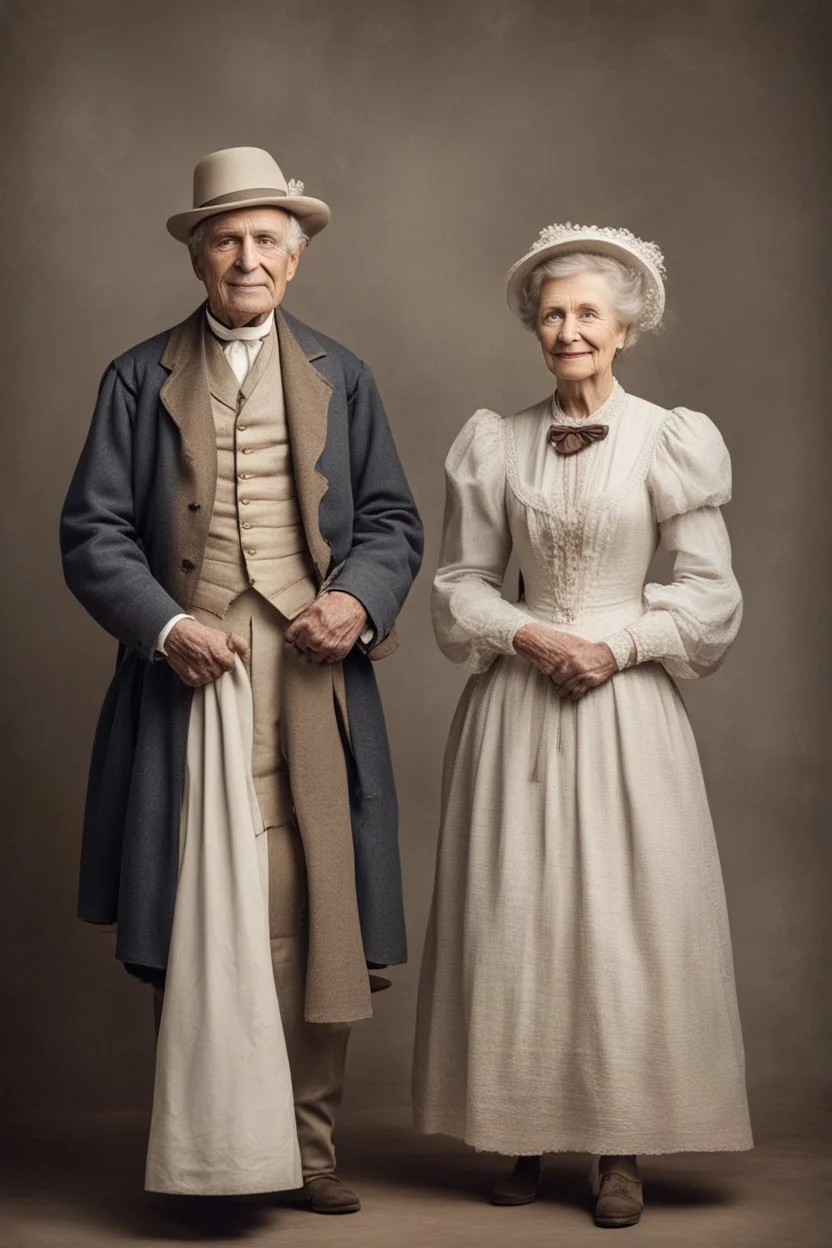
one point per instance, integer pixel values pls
(627, 287)
(294, 240)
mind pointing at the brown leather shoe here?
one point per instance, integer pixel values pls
(521, 1186)
(619, 1196)
(327, 1194)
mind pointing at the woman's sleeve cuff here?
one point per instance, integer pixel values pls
(623, 647)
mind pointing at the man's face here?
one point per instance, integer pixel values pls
(245, 264)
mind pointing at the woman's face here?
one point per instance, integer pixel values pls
(576, 326)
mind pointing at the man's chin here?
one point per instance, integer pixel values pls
(246, 310)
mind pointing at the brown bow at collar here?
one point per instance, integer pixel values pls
(568, 439)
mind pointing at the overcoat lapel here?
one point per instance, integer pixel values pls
(307, 394)
(221, 380)
(186, 397)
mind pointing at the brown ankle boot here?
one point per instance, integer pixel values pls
(619, 1200)
(521, 1186)
(327, 1194)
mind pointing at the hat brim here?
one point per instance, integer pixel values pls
(517, 274)
(313, 214)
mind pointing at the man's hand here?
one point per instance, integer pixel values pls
(328, 630)
(573, 665)
(199, 655)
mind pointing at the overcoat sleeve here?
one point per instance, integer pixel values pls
(102, 558)
(387, 540)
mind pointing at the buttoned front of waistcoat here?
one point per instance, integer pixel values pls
(256, 536)
(188, 398)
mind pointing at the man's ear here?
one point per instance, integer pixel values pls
(295, 260)
(195, 267)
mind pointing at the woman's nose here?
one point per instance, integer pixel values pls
(569, 329)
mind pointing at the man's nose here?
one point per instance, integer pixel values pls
(248, 258)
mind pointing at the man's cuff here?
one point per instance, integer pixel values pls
(159, 648)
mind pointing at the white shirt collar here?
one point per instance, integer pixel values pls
(246, 333)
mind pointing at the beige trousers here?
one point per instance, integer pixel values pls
(317, 1051)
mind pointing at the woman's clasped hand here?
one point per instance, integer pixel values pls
(573, 664)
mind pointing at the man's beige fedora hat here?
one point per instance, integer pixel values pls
(246, 177)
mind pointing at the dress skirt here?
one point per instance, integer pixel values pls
(584, 998)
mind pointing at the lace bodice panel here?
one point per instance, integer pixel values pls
(585, 528)
(582, 528)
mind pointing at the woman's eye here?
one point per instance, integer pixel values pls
(552, 316)
(590, 313)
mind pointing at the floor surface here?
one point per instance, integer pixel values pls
(79, 1185)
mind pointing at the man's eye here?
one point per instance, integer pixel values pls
(589, 312)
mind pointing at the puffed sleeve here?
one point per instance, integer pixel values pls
(689, 624)
(472, 622)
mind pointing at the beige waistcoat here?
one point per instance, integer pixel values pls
(256, 536)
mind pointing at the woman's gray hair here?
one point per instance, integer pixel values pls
(294, 240)
(628, 288)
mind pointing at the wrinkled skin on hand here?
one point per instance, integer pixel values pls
(573, 665)
(199, 655)
(327, 630)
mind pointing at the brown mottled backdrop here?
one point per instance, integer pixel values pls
(444, 135)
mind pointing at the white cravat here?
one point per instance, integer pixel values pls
(241, 346)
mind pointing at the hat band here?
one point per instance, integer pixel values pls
(252, 192)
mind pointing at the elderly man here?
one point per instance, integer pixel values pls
(239, 494)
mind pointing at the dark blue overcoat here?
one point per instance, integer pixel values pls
(133, 532)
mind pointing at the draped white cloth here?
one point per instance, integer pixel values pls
(577, 989)
(223, 1112)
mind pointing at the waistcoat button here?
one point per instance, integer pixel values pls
(246, 524)
(242, 428)
(246, 450)
(188, 565)
(193, 506)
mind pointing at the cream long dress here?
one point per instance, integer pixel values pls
(577, 989)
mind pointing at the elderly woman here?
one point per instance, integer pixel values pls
(577, 990)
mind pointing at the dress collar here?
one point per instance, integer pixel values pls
(603, 414)
(246, 333)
